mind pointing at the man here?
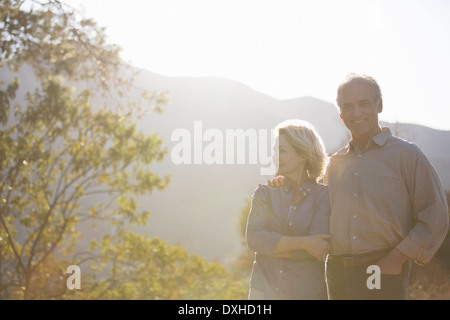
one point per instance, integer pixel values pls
(388, 206)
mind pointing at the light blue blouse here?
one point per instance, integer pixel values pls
(271, 217)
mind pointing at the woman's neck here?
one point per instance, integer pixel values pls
(298, 179)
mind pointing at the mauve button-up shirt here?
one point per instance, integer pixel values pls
(271, 217)
(388, 195)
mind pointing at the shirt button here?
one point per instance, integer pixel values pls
(355, 194)
(290, 224)
(354, 216)
(286, 190)
(281, 271)
(356, 174)
(354, 237)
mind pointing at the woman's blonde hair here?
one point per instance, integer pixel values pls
(307, 142)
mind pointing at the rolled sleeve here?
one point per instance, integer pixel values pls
(259, 238)
(430, 212)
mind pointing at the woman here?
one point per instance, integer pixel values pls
(288, 227)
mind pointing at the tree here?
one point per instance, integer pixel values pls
(55, 153)
(244, 262)
(143, 268)
(54, 39)
(66, 162)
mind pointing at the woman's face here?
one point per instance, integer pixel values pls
(287, 161)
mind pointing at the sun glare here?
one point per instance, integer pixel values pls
(289, 49)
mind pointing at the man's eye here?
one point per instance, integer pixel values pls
(346, 108)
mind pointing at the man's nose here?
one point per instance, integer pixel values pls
(357, 111)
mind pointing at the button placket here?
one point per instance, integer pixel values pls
(356, 194)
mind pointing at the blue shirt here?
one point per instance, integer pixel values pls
(271, 217)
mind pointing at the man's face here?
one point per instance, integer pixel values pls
(359, 109)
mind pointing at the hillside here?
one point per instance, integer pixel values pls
(201, 206)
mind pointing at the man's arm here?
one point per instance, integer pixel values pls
(392, 263)
(430, 211)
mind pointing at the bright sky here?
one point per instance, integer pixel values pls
(294, 48)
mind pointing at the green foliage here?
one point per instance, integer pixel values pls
(55, 39)
(137, 267)
(57, 152)
(244, 262)
(65, 162)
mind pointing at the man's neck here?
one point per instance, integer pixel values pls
(361, 142)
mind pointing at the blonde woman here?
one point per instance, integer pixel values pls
(288, 227)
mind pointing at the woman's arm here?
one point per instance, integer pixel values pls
(271, 243)
(258, 234)
(316, 245)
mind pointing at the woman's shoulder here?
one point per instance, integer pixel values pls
(320, 190)
(266, 192)
(263, 188)
(317, 186)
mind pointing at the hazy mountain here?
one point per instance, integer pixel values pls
(209, 196)
(201, 206)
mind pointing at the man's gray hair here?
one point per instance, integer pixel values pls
(351, 77)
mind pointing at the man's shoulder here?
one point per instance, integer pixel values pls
(342, 151)
(403, 145)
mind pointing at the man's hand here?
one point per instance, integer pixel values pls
(392, 263)
(277, 182)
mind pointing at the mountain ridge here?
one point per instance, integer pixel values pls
(201, 206)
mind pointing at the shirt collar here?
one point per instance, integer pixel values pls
(305, 188)
(379, 139)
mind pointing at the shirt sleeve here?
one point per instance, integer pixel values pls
(258, 234)
(430, 210)
(322, 210)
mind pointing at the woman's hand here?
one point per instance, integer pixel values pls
(317, 245)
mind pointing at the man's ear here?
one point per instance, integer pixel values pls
(380, 105)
